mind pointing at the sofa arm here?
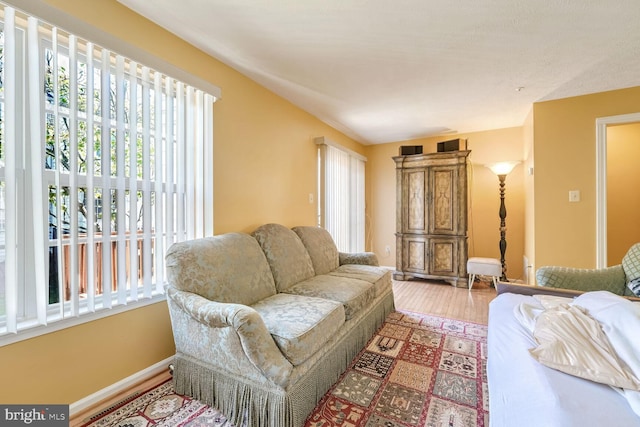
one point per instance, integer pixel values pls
(610, 279)
(257, 343)
(365, 258)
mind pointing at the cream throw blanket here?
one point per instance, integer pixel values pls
(595, 336)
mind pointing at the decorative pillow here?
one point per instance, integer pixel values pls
(631, 266)
(634, 285)
(572, 342)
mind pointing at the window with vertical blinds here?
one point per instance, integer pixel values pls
(341, 208)
(104, 163)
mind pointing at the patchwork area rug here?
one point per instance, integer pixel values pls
(160, 406)
(417, 370)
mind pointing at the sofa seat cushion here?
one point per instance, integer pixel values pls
(354, 294)
(380, 277)
(300, 324)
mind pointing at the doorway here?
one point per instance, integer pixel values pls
(612, 126)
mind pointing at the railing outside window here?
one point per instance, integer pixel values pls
(133, 250)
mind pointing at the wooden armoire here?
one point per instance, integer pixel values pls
(431, 216)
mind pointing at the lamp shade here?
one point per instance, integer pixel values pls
(502, 168)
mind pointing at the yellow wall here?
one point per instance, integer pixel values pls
(65, 366)
(565, 159)
(623, 199)
(484, 222)
(265, 168)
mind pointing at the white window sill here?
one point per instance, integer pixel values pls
(37, 330)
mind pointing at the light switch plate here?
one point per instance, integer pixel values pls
(574, 195)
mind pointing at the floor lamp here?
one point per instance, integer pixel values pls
(502, 169)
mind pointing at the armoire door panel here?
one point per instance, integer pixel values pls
(443, 257)
(416, 255)
(444, 190)
(415, 201)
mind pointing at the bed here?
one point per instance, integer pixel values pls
(524, 392)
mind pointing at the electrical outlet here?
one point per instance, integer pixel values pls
(387, 250)
(310, 197)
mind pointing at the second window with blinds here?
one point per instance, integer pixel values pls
(341, 185)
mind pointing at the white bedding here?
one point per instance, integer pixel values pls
(523, 392)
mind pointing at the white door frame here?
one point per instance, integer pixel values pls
(601, 181)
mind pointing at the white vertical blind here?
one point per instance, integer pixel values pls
(198, 142)
(341, 184)
(357, 217)
(207, 161)
(54, 116)
(121, 209)
(37, 189)
(10, 172)
(105, 170)
(90, 194)
(118, 167)
(159, 195)
(133, 180)
(146, 184)
(180, 161)
(337, 196)
(169, 141)
(191, 159)
(73, 177)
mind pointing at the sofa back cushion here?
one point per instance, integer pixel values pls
(229, 268)
(321, 248)
(290, 263)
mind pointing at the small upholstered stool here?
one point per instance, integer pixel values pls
(483, 267)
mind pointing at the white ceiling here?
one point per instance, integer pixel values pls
(393, 70)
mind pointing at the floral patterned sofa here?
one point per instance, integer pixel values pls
(265, 323)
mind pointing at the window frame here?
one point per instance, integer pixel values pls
(201, 196)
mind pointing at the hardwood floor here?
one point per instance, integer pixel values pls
(442, 299)
(420, 296)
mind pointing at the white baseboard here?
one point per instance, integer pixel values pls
(120, 386)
